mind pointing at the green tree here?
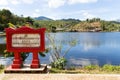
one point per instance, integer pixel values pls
(56, 54)
(6, 16)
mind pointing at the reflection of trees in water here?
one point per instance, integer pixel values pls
(89, 41)
(56, 43)
(82, 62)
(6, 61)
(86, 40)
(89, 44)
(61, 38)
(2, 40)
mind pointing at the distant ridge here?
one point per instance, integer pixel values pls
(118, 20)
(42, 18)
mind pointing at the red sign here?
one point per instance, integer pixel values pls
(25, 39)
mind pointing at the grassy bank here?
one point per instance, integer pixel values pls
(91, 69)
(1, 68)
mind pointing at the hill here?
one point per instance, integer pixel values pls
(42, 18)
(96, 25)
(56, 24)
(74, 25)
(87, 27)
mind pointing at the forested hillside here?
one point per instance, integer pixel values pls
(8, 19)
(96, 25)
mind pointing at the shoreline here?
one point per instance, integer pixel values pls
(2, 34)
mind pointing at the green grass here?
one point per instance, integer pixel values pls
(2, 68)
(90, 69)
(1, 71)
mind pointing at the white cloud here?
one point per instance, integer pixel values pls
(28, 1)
(56, 3)
(35, 14)
(88, 15)
(3, 2)
(37, 10)
(6, 8)
(83, 14)
(81, 1)
(15, 2)
(59, 3)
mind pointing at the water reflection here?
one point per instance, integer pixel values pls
(6, 61)
(82, 62)
(43, 60)
(91, 48)
(2, 40)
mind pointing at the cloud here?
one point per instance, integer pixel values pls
(6, 8)
(56, 3)
(81, 1)
(45, 12)
(59, 3)
(15, 2)
(88, 15)
(37, 10)
(83, 14)
(35, 14)
(3, 2)
(28, 1)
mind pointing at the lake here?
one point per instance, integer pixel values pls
(91, 48)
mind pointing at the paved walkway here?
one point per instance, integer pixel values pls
(59, 77)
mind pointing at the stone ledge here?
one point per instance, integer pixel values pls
(26, 69)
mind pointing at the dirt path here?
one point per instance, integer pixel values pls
(59, 77)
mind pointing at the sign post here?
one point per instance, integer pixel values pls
(25, 39)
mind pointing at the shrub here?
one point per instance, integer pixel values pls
(116, 68)
(2, 66)
(59, 64)
(91, 67)
(108, 67)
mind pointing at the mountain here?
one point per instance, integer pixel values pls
(70, 19)
(42, 18)
(118, 20)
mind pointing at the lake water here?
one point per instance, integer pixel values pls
(2, 40)
(91, 48)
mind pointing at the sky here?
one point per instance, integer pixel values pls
(59, 9)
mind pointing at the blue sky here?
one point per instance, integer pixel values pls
(58, 9)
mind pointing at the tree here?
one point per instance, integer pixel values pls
(30, 20)
(103, 26)
(57, 56)
(6, 16)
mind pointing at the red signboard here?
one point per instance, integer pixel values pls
(25, 39)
